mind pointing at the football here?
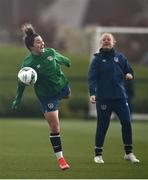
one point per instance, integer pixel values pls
(27, 76)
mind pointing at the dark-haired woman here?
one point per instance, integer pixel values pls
(51, 85)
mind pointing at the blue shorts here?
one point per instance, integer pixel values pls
(49, 104)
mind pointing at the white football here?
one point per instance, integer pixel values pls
(27, 76)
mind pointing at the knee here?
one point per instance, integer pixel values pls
(55, 129)
(53, 121)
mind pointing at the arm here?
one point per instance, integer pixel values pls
(128, 71)
(92, 81)
(18, 97)
(19, 93)
(62, 60)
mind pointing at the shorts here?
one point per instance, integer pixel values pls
(49, 104)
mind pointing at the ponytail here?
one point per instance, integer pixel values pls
(29, 35)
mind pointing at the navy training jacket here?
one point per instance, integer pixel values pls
(106, 75)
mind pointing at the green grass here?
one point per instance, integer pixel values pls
(25, 151)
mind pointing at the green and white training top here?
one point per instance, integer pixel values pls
(51, 79)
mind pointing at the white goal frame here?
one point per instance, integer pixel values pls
(95, 47)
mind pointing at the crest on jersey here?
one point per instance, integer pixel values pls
(50, 105)
(50, 58)
(38, 66)
(116, 59)
(103, 106)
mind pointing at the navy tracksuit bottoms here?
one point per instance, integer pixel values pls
(104, 111)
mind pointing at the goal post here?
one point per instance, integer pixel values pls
(95, 46)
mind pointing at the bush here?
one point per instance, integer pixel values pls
(140, 105)
(79, 107)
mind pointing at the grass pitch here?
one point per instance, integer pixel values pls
(25, 151)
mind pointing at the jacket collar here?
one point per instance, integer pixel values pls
(106, 52)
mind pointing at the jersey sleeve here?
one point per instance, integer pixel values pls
(20, 87)
(92, 77)
(62, 60)
(19, 91)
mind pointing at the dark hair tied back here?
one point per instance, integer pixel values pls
(29, 35)
(28, 29)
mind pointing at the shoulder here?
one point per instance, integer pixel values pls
(120, 54)
(50, 50)
(95, 60)
(96, 54)
(97, 57)
(27, 60)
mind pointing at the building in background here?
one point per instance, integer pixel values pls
(60, 21)
(75, 14)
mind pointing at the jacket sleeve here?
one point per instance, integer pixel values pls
(128, 68)
(92, 77)
(62, 60)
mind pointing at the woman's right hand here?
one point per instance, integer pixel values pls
(92, 99)
(15, 104)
